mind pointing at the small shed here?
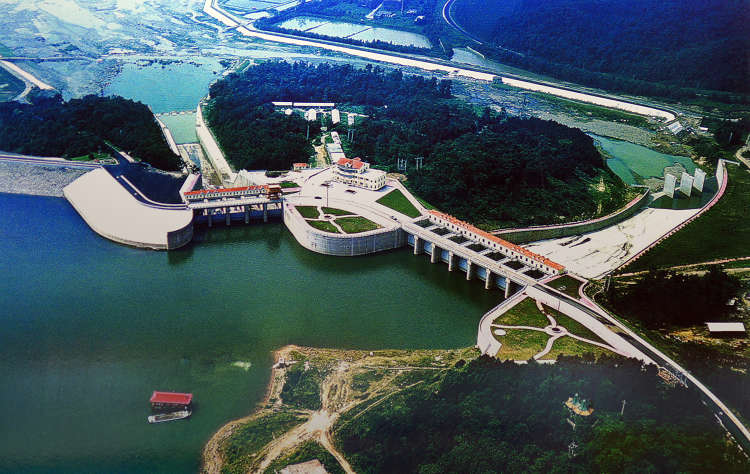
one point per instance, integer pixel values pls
(735, 329)
(171, 400)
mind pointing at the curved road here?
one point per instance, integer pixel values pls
(448, 17)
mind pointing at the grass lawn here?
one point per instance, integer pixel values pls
(242, 446)
(336, 212)
(354, 225)
(572, 325)
(569, 346)
(566, 284)
(325, 226)
(92, 156)
(289, 184)
(308, 212)
(524, 313)
(722, 232)
(399, 203)
(520, 344)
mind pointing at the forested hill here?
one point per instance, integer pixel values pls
(668, 48)
(485, 167)
(502, 417)
(51, 127)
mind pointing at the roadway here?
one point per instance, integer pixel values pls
(448, 17)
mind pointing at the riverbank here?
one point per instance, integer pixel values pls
(36, 179)
(348, 382)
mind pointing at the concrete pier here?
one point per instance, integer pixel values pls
(488, 280)
(435, 254)
(450, 261)
(469, 269)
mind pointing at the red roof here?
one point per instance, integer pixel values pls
(226, 190)
(498, 240)
(355, 163)
(299, 165)
(173, 398)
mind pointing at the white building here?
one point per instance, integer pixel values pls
(358, 173)
(335, 116)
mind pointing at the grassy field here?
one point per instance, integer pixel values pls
(354, 225)
(566, 284)
(289, 184)
(308, 212)
(10, 86)
(399, 203)
(335, 212)
(569, 346)
(524, 313)
(722, 232)
(572, 325)
(244, 445)
(521, 344)
(325, 226)
(596, 111)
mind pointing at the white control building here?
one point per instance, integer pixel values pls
(356, 172)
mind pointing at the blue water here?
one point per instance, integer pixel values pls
(166, 88)
(89, 328)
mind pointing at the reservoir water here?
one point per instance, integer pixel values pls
(89, 328)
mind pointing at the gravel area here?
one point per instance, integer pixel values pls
(37, 180)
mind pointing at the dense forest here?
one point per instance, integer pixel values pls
(665, 299)
(668, 48)
(488, 168)
(50, 126)
(490, 416)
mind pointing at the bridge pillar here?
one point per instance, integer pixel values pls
(450, 261)
(435, 254)
(469, 269)
(507, 287)
(227, 216)
(417, 243)
(488, 279)
(265, 212)
(247, 214)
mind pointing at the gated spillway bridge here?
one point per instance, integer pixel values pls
(224, 202)
(477, 253)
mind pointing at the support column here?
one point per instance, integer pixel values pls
(265, 212)
(469, 269)
(435, 254)
(450, 261)
(507, 287)
(247, 214)
(417, 250)
(488, 279)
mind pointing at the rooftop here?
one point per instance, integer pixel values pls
(197, 192)
(174, 398)
(726, 327)
(498, 240)
(355, 163)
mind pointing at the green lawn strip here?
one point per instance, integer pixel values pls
(520, 344)
(336, 212)
(524, 313)
(289, 184)
(354, 225)
(566, 284)
(722, 232)
(91, 156)
(399, 203)
(573, 326)
(325, 226)
(571, 347)
(308, 212)
(306, 451)
(243, 445)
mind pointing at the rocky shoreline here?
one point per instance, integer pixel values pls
(36, 179)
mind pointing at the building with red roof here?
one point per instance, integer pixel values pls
(355, 172)
(171, 400)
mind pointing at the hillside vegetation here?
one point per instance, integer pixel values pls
(50, 126)
(489, 416)
(669, 48)
(488, 168)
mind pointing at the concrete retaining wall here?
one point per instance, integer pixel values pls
(533, 234)
(212, 150)
(340, 244)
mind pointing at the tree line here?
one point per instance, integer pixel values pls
(50, 126)
(485, 167)
(665, 48)
(489, 416)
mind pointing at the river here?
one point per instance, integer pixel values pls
(89, 328)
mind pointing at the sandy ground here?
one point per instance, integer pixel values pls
(595, 254)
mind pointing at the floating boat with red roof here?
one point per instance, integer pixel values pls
(170, 406)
